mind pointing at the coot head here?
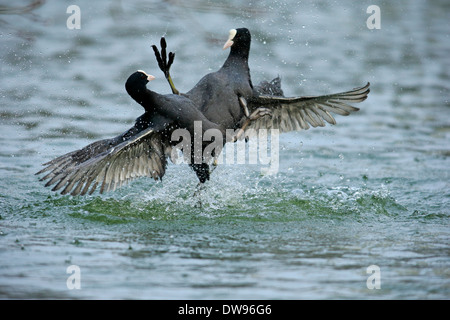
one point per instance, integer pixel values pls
(238, 39)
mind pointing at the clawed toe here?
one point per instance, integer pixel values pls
(259, 113)
(163, 63)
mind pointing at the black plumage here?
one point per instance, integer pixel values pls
(228, 96)
(225, 99)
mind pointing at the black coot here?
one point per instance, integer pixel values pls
(228, 97)
(221, 100)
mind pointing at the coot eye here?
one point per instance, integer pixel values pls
(143, 76)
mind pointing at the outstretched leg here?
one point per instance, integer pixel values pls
(165, 64)
(258, 113)
(243, 104)
(201, 186)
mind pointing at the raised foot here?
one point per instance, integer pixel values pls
(255, 115)
(243, 104)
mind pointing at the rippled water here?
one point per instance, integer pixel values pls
(372, 190)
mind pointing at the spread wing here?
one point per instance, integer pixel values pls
(272, 88)
(109, 163)
(294, 114)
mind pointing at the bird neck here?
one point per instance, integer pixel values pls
(144, 97)
(238, 57)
